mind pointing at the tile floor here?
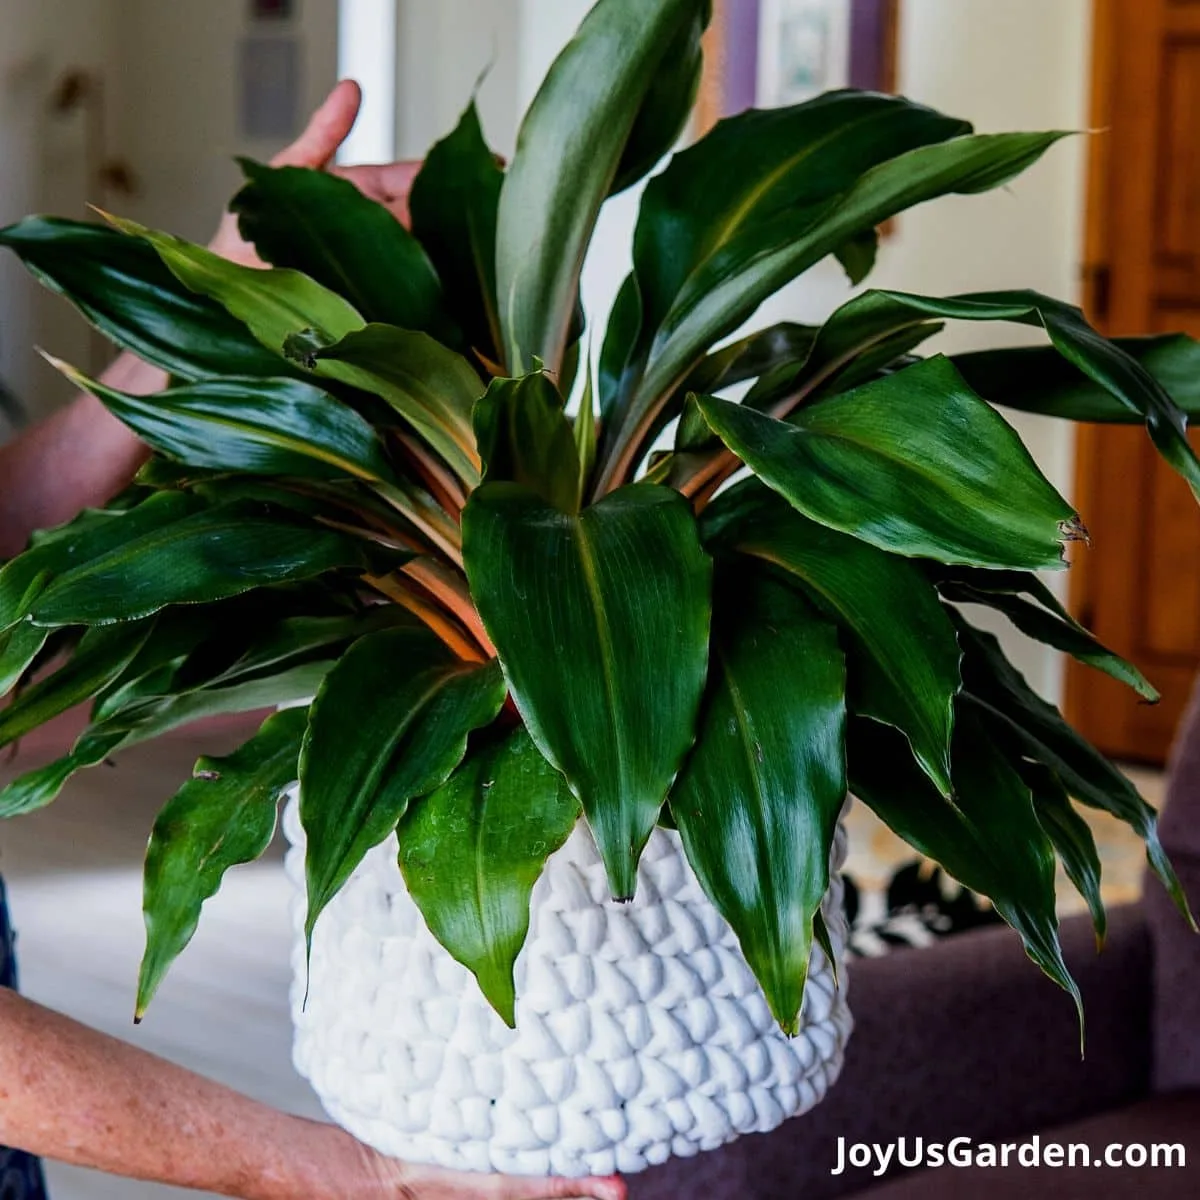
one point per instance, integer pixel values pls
(73, 873)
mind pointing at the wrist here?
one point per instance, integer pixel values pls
(318, 1162)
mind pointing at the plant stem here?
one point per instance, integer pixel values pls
(440, 623)
(448, 587)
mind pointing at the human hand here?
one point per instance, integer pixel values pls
(386, 184)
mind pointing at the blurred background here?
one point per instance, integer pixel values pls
(140, 107)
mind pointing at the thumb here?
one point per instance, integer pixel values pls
(327, 129)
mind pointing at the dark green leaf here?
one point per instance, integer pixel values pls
(1036, 730)
(858, 255)
(988, 837)
(390, 723)
(601, 622)
(1045, 621)
(757, 802)
(904, 657)
(323, 226)
(432, 388)
(1039, 379)
(585, 436)
(263, 426)
(1102, 361)
(914, 463)
(667, 104)
(757, 354)
(91, 535)
(617, 349)
(729, 286)
(524, 437)
(222, 817)
(472, 851)
(454, 203)
(101, 656)
(570, 150)
(40, 787)
(19, 647)
(1072, 838)
(275, 305)
(121, 286)
(208, 556)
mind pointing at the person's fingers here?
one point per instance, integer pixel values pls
(561, 1189)
(327, 129)
(388, 184)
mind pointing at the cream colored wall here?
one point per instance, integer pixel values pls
(41, 168)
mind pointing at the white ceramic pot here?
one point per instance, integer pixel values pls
(641, 1033)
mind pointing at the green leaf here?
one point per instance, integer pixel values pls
(570, 149)
(100, 657)
(93, 534)
(40, 787)
(585, 435)
(616, 351)
(275, 305)
(313, 222)
(903, 654)
(432, 388)
(914, 463)
(390, 723)
(728, 287)
(757, 802)
(1036, 730)
(1039, 379)
(472, 851)
(1045, 621)
(601, 622)
(262, 426)
(667, 104)
(857, 256)
(988, 837)
(1072, 838)
(19, 647)
(524, 437)
(121, 286)
(1101, 361)
(757, 354)
(222, 817)
(208, 556)
(454, 202)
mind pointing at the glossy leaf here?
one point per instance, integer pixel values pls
(601, 622)
(1041, 617)
(432, 388)
(263, 426)
(757, 354)
(472, 851)
(988, 837)
(668, 102)
(275, 305)
(208, 556)
(915, 464)
(1039, 379)
(524, 437)
(617, 365)
(93, 534)
(390, 723)
(40, 787)
(121, 286)
(222, 817)
(1101, 361)
(585, 436)
(757, 802)
(570, 149)
(729, 287)
(313, 222)
(1035, 729)
(903, 654)
(455, 200)
(1072, 838)
(19, 647)
(99, 658)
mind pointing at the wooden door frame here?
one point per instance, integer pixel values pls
(1117, 272)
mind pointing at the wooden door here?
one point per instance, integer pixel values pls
(1138, 586)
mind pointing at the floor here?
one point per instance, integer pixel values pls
(73, 873)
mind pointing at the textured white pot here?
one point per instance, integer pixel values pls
(641, 1033)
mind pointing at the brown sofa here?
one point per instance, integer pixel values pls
(967, 1039)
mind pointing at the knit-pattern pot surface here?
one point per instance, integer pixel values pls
(641, 1032)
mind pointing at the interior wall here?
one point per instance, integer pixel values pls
(42, 157)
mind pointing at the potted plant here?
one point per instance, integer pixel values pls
(525, 661)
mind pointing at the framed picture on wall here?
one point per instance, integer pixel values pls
(768, 53)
